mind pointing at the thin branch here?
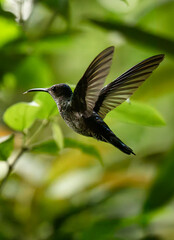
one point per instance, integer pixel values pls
(51, 20)
(49, 23)
(21, 3)
(11, 167)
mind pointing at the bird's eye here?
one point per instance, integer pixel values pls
(54, 89)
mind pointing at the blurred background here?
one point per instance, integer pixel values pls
(62, 191)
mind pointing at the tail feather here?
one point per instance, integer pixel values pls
(115, 141)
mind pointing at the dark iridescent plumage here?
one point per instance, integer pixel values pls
(85, 109)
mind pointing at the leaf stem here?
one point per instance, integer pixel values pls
(21, 20)
(43, 124)
(49, 23)
(11, 166)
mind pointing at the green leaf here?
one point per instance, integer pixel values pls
(138, 113)
(88, 149)
(57, 135)
(47, 147)
(9, 30)
(162, 189)
(6, 146)
(47, 107)
(21, 116)
(138, 35)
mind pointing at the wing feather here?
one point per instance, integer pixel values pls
(124, 86)
(88, 88)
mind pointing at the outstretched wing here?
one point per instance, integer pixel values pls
(124, 86)
(88, 88)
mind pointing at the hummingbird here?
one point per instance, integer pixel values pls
(84, 109)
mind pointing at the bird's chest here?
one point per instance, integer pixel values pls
(73, 119)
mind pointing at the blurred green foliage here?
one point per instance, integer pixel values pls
(57, 189)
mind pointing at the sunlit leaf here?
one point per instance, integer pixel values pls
(21, 116)
(47, 147)
(57, 135)
(9, 30)
(87, 149)
(138, 113)
(162, 189)
(6, 146)
(48, 107)
(138, 35)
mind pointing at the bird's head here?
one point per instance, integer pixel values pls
(56, 91)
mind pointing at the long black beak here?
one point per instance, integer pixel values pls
(37, 90)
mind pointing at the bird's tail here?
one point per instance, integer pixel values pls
(120, 145)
